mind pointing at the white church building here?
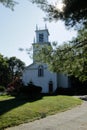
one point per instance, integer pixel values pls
(39, 74)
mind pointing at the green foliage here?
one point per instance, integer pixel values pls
(73, 11)
(70, 59)
(3, 70)
(17, 88)
(9, 3)
(21, 111)
(31, 91)
(14, 87)
(2, 88)
(9, 69)
(16, 67)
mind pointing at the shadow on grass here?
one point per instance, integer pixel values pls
(10, 104)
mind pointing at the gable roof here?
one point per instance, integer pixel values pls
(34, 66)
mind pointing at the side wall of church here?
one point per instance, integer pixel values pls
(31, 74)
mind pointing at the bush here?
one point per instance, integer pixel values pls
(2, 88)
(64, 91)
(17, 88)
(31, 90)
(13, 88)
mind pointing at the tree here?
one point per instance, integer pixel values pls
(8, 3)
(16, 67)
(72, 12)
(69, 58)
(4, 76)
(9, 69)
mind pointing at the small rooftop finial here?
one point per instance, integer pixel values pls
(45, 26)
(34, 40)
(36, 27)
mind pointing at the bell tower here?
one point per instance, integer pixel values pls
(42, 35)
(41, 39)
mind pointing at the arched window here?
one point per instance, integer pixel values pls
(40, 71)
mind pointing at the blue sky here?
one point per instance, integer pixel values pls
(17, 29)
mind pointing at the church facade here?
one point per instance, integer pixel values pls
(38, 73)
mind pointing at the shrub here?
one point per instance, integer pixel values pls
(13, 88)
(64, 91)
(2, 88)
(16, 87)
(31, 90)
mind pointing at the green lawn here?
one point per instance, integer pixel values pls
(15, 111)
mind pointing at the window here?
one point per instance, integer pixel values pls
(40, 71)
(41, 37)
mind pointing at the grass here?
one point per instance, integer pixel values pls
(15, 111)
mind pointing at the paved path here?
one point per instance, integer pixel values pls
(74, 119)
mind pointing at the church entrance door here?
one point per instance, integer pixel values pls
(50, 87)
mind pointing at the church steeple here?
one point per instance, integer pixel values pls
(42, 38)
(42, 35)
